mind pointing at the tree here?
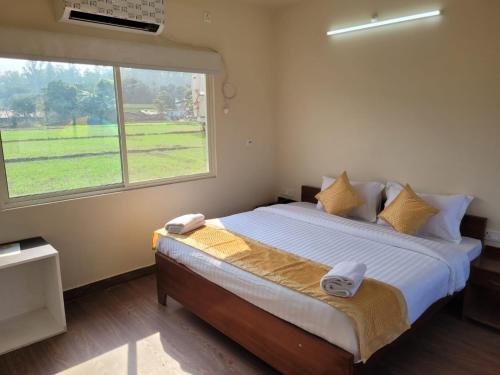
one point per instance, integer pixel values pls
(33, 71)
(136, 91)
(164, 101)
(12, 84)
(23, 106)
(188, 103)
(60, 100)
(100, 104)
(180, 92)
(50, 73)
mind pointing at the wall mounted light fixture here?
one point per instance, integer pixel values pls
(384, 23)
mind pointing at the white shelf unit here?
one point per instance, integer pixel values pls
(31, 299)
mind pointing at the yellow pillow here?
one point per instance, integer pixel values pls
(340, 197)
(408, 212)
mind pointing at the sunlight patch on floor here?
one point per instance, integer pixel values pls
(144, 356)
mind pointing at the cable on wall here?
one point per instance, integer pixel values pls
(229, 91)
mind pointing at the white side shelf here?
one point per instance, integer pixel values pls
(32, 307)
(28, 255)
(27, 329)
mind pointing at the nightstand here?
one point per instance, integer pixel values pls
(482, 295)
(280, 200)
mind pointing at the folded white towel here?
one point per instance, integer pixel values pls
(184, 224)
(344, 279)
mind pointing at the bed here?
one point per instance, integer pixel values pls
(290, 331)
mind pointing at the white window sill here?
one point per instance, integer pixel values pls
(57, 197)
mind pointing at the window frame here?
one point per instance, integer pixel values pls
(7, 203)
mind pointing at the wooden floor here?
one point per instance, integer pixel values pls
(124, 331)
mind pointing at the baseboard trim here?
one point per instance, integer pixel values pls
(492, 243)
(107, 283)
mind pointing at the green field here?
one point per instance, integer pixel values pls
(43, 160)
(127, 107)
(96, 130)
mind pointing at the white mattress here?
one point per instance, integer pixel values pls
(425, 270)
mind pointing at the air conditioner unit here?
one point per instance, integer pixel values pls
(145, 16)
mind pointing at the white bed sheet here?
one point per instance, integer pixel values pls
(470, 246)
(424, 270)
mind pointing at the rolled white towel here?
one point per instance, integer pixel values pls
(184, 224)
(344, 279)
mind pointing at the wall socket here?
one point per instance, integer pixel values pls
(287, 192)
(493, 236)
(207, 17)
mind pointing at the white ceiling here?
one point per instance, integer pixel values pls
(271, 3)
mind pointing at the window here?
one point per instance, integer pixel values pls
(69, 129)
(153, 99)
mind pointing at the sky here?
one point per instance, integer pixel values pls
(18, 64)
(11, 64)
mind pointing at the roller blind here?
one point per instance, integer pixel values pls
(45, 45)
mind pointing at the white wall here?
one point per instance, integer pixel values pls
(103, 236)
(416, 102)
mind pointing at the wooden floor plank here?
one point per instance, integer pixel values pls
(123, 330)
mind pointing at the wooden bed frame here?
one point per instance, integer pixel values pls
(284, 346)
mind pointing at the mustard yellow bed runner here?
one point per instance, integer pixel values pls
(378, 311)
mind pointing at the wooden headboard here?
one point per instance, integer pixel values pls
(472, 226)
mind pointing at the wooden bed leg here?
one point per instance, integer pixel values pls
(161, 292)
(162, 298)
(161, 280)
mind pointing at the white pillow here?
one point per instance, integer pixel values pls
(371, 192)
(446, 224)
